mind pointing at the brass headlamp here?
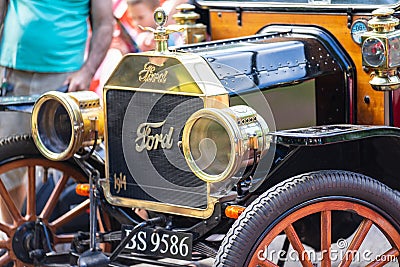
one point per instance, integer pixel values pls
(64, 122)
(220, 143)
(381, 50)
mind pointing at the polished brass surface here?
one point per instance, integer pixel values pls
(161, 72)
(119, 182)
(148, 141)
(161, 33)
(174, 73)
(147, 74)
(186, 14)
(218, 143)
(383, 21)
(186, 18)
(380, 49)
(385, 80)
(64, 122)
(170, 73)
(160, 207)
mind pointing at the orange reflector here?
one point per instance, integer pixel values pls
(82, 190)
(234, 212)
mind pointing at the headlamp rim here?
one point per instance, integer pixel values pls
(75, 119)
(230, 126)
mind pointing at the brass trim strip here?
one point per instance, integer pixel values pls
(125, 88)
(161, 207)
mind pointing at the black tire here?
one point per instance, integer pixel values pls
(17, 146)
(294, 195)
(20, 152)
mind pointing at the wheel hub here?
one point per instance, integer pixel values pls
(23, 242)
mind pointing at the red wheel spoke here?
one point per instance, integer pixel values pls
(31, 197)
(355, 244)
(5, 244)
(326, 239)
(14, 218)
(19, 264)
(298, 246)
(387, 257)
(325, 209)
(6, 228)
(67, 217)
(15, 213)
(5, 259)
(55, 195)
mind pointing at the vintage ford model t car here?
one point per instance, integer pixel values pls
(249, 151)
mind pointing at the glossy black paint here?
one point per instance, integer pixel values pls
(283, 55)
(372, 151)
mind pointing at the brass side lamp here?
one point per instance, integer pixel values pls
(381, 50)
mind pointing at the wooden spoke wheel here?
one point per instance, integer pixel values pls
(325, 209)
(327, 218)
(20, 160)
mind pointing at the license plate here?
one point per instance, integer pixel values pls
(159, 242)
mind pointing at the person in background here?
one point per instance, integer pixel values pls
(129, 38)
(141, 12)
(42, 40)
(43, 48)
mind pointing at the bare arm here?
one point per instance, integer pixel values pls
(101, 19)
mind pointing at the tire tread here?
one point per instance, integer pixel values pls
(267, 208)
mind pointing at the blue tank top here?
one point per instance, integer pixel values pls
(45, 35)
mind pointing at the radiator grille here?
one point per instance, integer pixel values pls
(157, 175)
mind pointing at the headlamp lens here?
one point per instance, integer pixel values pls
(210, 146)
(54, 126)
